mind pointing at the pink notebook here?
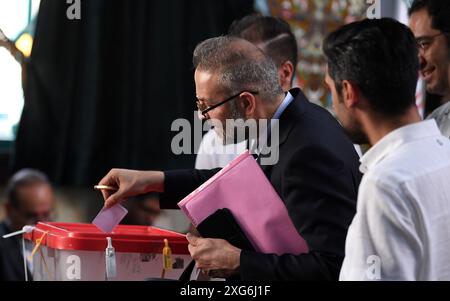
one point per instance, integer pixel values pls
(243, 188)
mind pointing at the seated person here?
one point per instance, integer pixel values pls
(29, 200)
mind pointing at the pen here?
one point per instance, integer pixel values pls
(105, 187)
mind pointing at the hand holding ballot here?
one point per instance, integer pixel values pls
(129, 183)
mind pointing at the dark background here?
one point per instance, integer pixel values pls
(103, 91)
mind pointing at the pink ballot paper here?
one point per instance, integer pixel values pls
(108, 219)
(243, 188)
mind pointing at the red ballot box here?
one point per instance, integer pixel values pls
(79, 252)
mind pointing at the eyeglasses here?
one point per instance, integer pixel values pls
(204, 110)
(425, 42)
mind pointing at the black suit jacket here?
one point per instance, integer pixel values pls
(317, 177)
(11, 259)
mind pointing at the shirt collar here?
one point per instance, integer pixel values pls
(395, 140)
(264, 136)
(286, 102)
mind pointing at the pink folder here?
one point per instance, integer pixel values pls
(243, 188)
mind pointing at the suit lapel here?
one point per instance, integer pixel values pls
(287, 122)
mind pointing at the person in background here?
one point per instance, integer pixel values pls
(29, 200)
(430, 23)
(143, 210)
(401, 228)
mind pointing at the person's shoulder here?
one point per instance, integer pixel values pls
(440, 112)
(318, 127)
(394, 170)
(308, 113)
(3, 229)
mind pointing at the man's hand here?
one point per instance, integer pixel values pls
(130, 183)
(214, 255)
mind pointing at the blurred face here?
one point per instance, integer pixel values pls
(209, 94)
(36, 204)
(349, 122)
(433, 55)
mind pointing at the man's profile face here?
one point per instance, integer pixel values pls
(35, 204)
(434, 58)
(210, 93)
(351, 125)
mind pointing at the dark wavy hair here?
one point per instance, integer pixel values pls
(380, 57)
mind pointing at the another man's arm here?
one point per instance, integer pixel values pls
(174, 185)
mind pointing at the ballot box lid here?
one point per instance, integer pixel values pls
(126, 239)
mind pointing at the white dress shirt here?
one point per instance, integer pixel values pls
(402, 227)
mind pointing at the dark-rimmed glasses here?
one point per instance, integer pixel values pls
(204, 110)
(425, 42)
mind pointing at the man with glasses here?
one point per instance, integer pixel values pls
(273, 36)
(430, 23)
(29, 200)
(316, 175)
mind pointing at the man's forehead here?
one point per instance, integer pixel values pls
(421, 24)
(207, 85)
(203, 76)
(35, 192)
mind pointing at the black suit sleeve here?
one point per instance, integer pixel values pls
(320, 195)
(180, 183)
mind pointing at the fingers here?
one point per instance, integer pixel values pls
(194, 248)
(114, 199)
(110, 179)
(111, 198)
(106, 194)
(193, 240)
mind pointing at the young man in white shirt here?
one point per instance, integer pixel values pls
(401, 230)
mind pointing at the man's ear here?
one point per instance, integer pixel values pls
(247, 104)
(351, 94)
(286, 74)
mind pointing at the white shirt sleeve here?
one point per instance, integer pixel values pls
(382, 242)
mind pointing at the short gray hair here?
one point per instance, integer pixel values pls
(241, 66)
(23, 178)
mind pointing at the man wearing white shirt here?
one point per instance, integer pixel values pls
(401, 230)
(430, 23)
